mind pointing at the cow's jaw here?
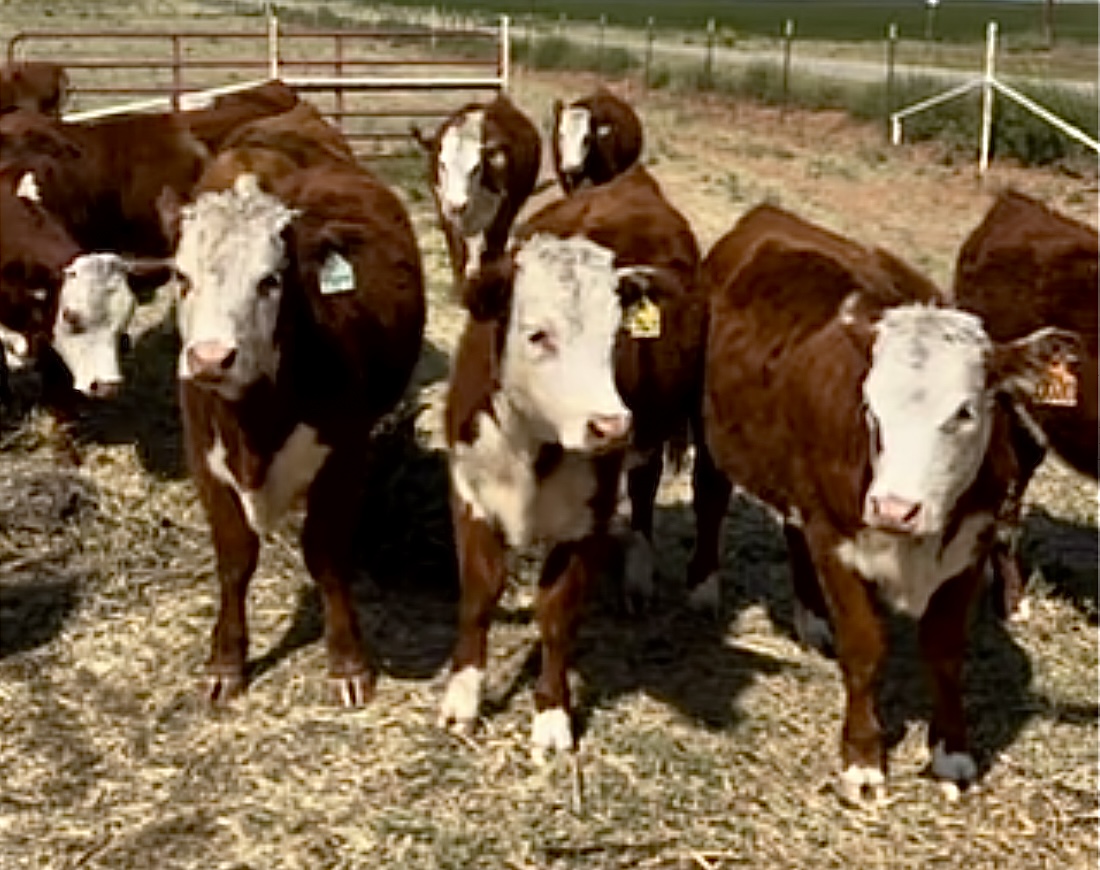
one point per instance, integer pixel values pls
(928, 416)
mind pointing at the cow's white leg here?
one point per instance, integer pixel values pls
(550, 732)
(957, 767)
(462, 699)
(861, 785)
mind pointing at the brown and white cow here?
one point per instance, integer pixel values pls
(301, 317)
(483, 164)
(577, 350)
(33, 86)
(878, 423)
(595, 138)
(1025, 267)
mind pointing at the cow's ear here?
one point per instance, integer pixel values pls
(496, 156)
(170, 209)
(487, 294)
(859, 324)
(1043, 366)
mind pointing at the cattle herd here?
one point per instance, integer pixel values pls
(892, 427)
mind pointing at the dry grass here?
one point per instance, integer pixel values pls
(706, 743)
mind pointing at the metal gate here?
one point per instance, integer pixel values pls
(371, 82)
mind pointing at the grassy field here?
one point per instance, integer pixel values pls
(815, 19)
(706, 743)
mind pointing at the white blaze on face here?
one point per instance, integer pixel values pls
(929, 412)
(94, 309)
(574, 138)
(458, 185)
(229, 261)
(557, 370)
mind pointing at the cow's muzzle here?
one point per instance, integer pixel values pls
(210, 361)
(608, 431)
(892, 513)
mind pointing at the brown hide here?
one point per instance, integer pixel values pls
(1026, 267)
(34, 86)
(212, 125)
(301, 134)
(102, 178)
(34, 251)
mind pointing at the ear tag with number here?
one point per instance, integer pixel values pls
(643, 319)
(337, 276)
(1059, 385)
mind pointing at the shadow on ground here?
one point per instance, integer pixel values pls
(1067, 556)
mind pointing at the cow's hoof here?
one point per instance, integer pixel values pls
(552, 732)
(707, 596)
(812, 630)
(954, 768)
(221, 688)
(353, 690)
(638, 573)
(461, 700)
(861, 786)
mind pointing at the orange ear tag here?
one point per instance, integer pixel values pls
(1059, 386)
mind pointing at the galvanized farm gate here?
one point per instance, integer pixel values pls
(373, 82)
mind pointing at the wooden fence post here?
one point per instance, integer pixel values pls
(708, 63)
(788, 38)
(891, 57)
(648, 52)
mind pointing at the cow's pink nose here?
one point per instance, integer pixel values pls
(604, 429)
(210, 360)
(891, 512)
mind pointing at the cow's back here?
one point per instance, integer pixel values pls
(1026, 267)
(212, 125)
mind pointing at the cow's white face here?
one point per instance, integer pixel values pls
(557, 370)
(94, 309)
(574, 138)
(229, 263)
(459, 187)
(929, 415)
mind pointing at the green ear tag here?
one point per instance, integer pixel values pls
(1059, 386)
(643, 319)
(337, 276)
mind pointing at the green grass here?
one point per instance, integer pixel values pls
(815, 19)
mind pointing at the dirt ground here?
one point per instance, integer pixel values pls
(705, 742)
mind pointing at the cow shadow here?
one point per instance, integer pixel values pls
(145, 412)
(34, 612)
(998, 671)
(1067, 555)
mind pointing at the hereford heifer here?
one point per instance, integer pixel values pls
(1025, 267)
(483, 162)
(879, 425)
(588, 314)
(595, 138)
(34, 86)
(301, 318)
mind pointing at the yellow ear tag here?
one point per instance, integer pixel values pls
(337, 276)
(643, 319)
(1059, 387)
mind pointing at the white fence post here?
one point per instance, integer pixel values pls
(987, 96)
(505, 51)
(272, 41)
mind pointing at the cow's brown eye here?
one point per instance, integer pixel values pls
(268, 284)
(541, 339)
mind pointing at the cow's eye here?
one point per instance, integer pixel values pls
(541, 339)
(965, 415)
(269, 284)
(183, 285)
